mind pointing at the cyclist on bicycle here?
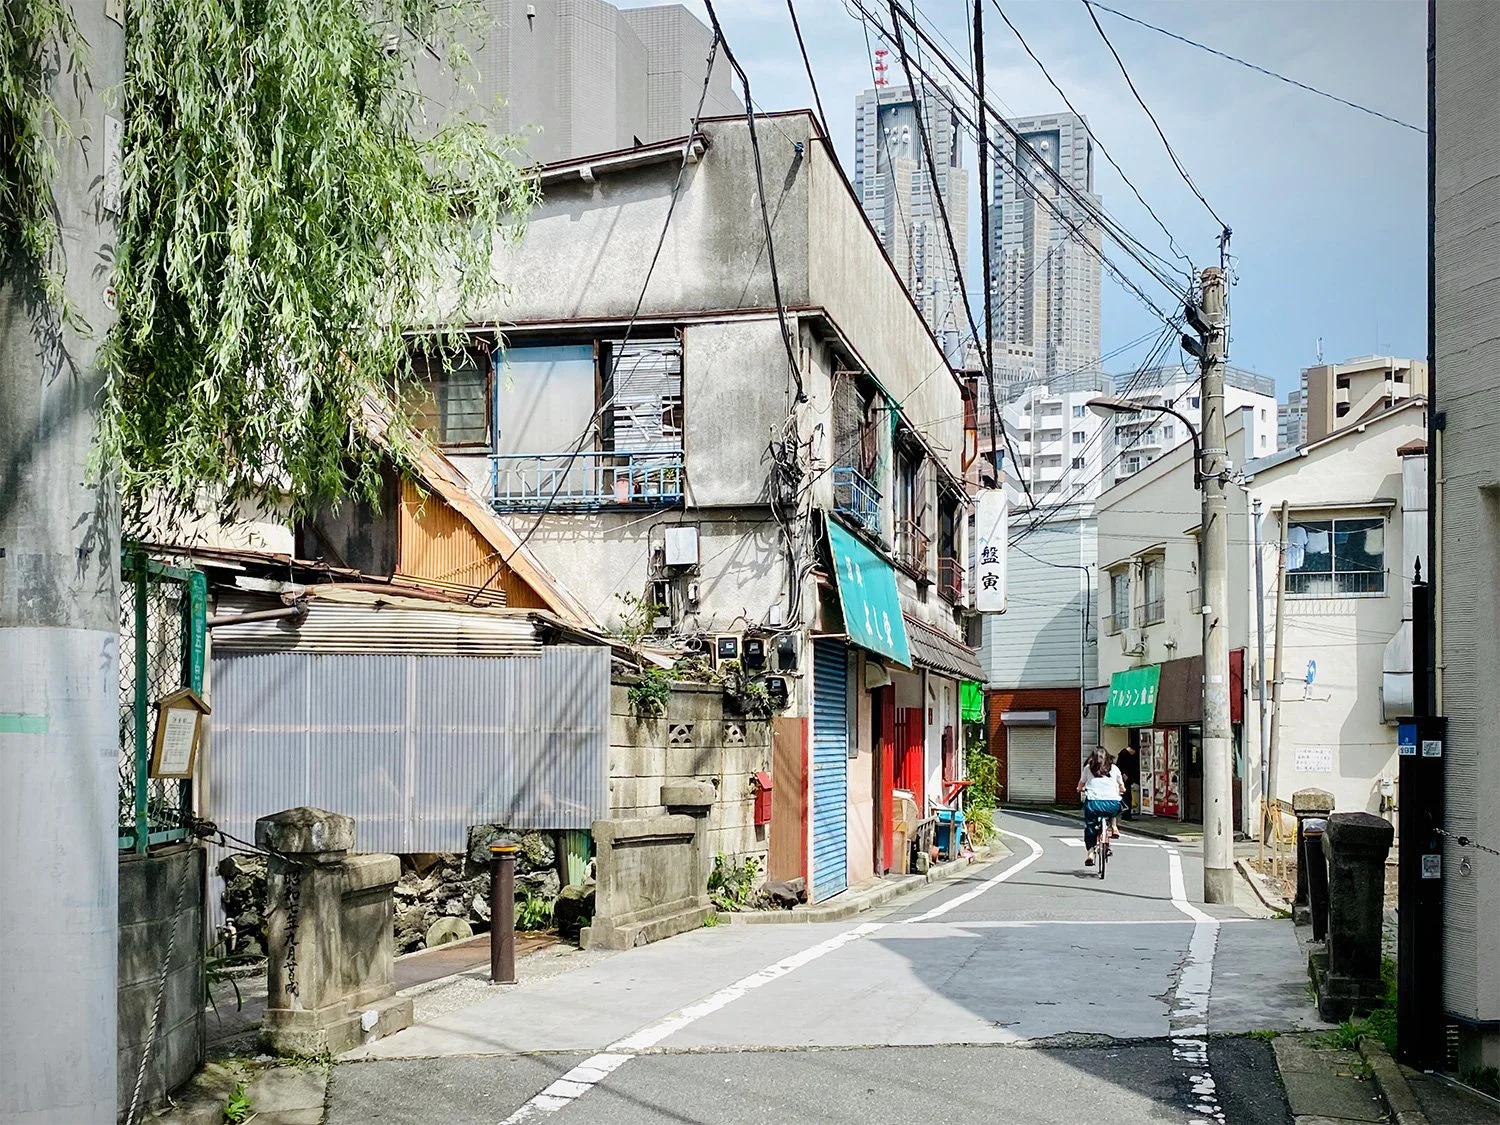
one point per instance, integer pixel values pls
(1101, 800)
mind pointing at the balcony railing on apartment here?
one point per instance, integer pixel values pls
(1115, 622)
(855, 496)
(911, 547)
(950, 580)
(585, 482)
(1151, 613)
(1334, 585)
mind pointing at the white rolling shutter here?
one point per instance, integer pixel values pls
(1031, 756)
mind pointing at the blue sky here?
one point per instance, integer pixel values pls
(1328, 205)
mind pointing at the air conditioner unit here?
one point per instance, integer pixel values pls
(1133, 642)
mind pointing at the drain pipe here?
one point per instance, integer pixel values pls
(298, 610)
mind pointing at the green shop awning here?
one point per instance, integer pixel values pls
(867, 591)
(1132, 697)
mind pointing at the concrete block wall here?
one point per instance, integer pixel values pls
(694, 741)
(159, 893)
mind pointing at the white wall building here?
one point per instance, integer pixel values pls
(1355, 507)
(1140, 439)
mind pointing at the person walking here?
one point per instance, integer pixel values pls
(1129, 762)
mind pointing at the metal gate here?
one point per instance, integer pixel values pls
(830, 844)
(1031, 764)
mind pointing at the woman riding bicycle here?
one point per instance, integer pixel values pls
(1101, 800)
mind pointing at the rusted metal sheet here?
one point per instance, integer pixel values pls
(441, 546)
(415, 748)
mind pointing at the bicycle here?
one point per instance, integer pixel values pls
(1104, 849)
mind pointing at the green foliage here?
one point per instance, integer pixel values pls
(1379, 1024)
(287, 219)
(534, 911)
(1485, 1079)
(649, 694)
(748, 696)
(984, 771)
(731, 885)
(237, 1108)
(712, 920)
(1264, 1034)
(637, 620)
(38, 40)
(697, 669)
(980, 824)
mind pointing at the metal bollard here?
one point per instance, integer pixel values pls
(1314, 834)
(503, 912)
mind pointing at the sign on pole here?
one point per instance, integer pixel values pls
(991, 527)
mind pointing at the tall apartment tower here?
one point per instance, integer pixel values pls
(890, 178)
(1046, 245)
(581, 76)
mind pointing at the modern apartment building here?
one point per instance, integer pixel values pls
(1341, 394)
(1060, 445)
(1140, 439)
(894, 188)
(580, 76)
(1465, 481)
(1291, 420)
(1046, 244)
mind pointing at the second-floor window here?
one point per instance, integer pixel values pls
(1153, 589)
(450, 403)
(1119, 601)
(1335, 557)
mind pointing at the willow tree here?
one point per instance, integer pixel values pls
(287, 215)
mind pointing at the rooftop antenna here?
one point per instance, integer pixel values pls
(1320, 350)
(880, 67)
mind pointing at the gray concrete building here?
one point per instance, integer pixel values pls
(797, 505)
(892, 182)
(1465, 478)
(1291, 420)
(579, 76)
(1046, 245)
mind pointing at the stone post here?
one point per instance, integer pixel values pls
(1306, 803)
(331, 978)
(1357, 845)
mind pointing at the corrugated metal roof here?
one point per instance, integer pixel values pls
(343, 620)
(941, 653)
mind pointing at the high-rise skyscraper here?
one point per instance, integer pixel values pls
(891, 180)
(1046, 245)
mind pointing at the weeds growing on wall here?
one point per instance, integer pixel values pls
(731, 885)
(649, 694)
(287, 218)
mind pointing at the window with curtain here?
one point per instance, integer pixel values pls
(1119, 600)
(1335, 557)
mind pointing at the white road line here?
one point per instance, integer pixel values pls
(587, 1074)
(1188, 1018)
(1075, 842)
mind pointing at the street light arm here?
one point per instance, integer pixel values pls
(1197, 441)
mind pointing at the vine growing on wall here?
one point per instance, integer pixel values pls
(288, 218)
(38, 40)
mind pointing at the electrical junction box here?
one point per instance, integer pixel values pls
(754, 652)
(682, 545)
(727, 647)
(786, 653)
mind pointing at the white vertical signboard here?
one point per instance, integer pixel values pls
(991, 527)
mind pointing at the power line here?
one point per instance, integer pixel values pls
(807, 64)
(1259, 69)
(1181, 171)
(996, 421)
(1171, 242)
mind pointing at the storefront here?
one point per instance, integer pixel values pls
(1158, 708)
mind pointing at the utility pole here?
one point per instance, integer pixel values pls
(1260, 684)
(59, 609)
(1218, 746)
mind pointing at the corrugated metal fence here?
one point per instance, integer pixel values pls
(416, 748)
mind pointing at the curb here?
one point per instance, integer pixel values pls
(837, 911)
(1269, 898)
(1397, 1095)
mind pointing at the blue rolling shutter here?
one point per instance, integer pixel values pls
(830, 842)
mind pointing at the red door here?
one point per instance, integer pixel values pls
(885, 742)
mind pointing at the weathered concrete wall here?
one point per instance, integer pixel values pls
(694, 741)
(652, 873)
(160, 894)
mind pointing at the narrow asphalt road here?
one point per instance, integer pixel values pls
(1027, 991)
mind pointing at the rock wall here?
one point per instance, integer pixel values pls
(694, 741)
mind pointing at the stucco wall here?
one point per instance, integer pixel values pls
(695, 741)
(737, 392)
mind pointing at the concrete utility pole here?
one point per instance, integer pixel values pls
(59, 607)
(1218, 745)
(1260, 686)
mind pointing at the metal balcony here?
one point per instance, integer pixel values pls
(585, 481)
(1151, 612)
(950, 581)
(855, 496)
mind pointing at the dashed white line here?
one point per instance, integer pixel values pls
(1188, 1019)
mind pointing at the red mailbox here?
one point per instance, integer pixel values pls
(761, 781)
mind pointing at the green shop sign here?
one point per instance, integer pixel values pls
(1132, 697)
(867, 589)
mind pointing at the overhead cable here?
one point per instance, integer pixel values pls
(1259, 69)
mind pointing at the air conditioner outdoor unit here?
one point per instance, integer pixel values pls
(1133, 642)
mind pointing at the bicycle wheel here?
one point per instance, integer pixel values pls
(1103, 850)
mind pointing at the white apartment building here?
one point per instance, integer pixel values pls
(1061, 447)
(1348, 515)
(1140, 439)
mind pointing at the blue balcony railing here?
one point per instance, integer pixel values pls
(585, 482)
(854, 496)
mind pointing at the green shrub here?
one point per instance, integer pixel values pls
(534, 912)
(984, 772)
(731, 885)
(649, 694)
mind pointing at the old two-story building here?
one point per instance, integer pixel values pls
(749, 464)
(1341, 521)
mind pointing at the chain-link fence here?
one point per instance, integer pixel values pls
(162, 639)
